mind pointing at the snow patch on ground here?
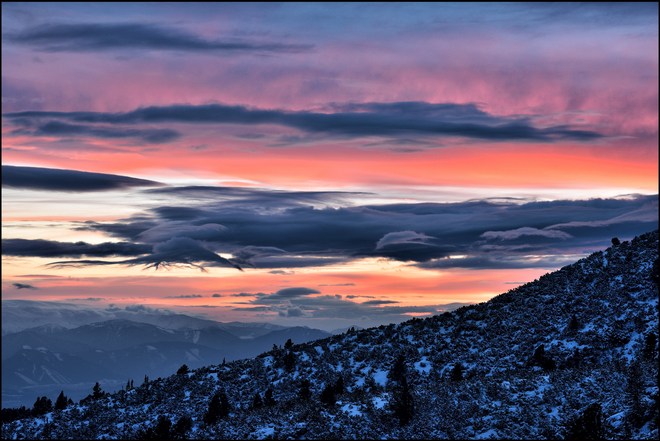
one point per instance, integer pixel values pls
(379, 402)
(488, 434)
(380, 377)
(264, 432)
(423, 366)
(351, 409)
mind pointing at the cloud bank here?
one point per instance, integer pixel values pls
(253, 228)
(86, 37)
(391, 120)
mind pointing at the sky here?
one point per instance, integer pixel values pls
(319, 164)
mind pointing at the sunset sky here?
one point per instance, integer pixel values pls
(319, 164)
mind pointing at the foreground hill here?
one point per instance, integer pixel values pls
(571, 355)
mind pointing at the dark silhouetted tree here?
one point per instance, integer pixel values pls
(289, 361)
(615, 241)
(42, 406)
(456, 372)
(163, 426)
(288, 345)
(182, 427)
(304, 393)
(634, 392)
(655, 271)
(541, 359)
(268, 398)
(328, 396)
(573, 325)
(257, 403)
(97, 392)
(588, 425)
(402, 403)
(398, 370)
(183, 370)
(160, 432)
(218, 408)
(339, 385)
(10, 414)
(61, 401)
(650, 342)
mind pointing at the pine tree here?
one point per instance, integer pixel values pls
(588, 425)
(288, 345)
(634, 391)
(218, 408)
(182, 427)
(304, 393)
(257, 403)
(42, 406)
(163, 426)
(289, 361)
(457, 372)
(328, 396)
(182, 370)
(61, 401)
(541, 359)
(650, 342)
(339, 385)
(97, 392)
(402, 402)
(398, 370)
(268, 398)
(573, 325)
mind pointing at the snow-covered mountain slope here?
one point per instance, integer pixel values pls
(570, 355)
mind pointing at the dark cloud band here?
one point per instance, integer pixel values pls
(51, 248)
(112, 36)
(286, 233)
(390, 120)
(37, 178)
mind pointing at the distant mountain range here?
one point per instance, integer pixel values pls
(572, 355)
(52, 357)
(18, 315)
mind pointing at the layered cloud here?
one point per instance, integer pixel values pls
(61, 129)
(309, 303)
(96, 37)
(51, 248)
(252, 228)
(389, 120)
(178, 250)
(50, 179)
(23, 286)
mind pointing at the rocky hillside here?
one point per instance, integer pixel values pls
(571, 355)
